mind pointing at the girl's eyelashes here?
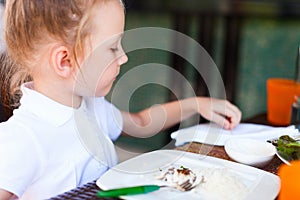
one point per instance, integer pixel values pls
(114, 49)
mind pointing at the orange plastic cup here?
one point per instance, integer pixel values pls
(289, 177)
(281, 95)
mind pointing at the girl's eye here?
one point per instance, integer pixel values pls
(114, 49)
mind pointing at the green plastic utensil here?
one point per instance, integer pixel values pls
(128, 191)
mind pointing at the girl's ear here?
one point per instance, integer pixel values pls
(61, 61)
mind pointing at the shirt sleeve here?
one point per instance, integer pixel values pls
(111, 115)
(18, 159)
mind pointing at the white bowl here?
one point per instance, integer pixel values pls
(249, 151)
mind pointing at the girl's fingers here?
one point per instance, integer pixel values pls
(234, 112)
(227, 114)
(221, 112)
(221, 120)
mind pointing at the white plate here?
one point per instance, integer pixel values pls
(282, 159)
(249, 151)
(143, 169)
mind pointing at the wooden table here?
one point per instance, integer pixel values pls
(88, 191)
(219, 152)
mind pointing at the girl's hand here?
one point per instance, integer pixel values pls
(221, 112)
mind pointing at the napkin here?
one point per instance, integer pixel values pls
(213, 134)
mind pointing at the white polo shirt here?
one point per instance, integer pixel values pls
(42, 153)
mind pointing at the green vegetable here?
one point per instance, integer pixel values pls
(182, 167)
(288, 148)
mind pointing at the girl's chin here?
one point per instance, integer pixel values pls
(103, 92)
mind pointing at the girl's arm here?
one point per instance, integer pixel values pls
(159, 117)
(5, 195)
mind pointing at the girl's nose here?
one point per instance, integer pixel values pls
(122, 59)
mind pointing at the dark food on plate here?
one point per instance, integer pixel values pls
(288, 148)
(179, 176)
(217, 183)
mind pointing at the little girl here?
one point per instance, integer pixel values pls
(61, 134)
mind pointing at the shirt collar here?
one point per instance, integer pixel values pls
(45, 108)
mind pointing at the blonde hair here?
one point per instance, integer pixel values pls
(31, 24)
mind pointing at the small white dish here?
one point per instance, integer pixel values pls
(249, 151)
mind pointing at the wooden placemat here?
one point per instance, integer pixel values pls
(219, 152)
(86, 192)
